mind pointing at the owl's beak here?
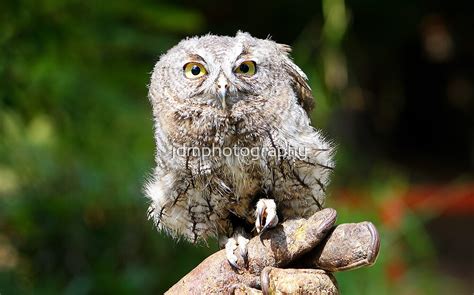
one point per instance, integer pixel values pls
(222, 94)
(222, 86)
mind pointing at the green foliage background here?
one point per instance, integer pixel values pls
(76, 145)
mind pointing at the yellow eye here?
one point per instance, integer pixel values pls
(247, 68)
(194, 70)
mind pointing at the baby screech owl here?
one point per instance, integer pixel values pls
(234, 144)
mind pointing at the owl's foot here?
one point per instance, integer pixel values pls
(240, 241)
(266, 215)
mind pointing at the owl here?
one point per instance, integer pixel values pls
(235, 150)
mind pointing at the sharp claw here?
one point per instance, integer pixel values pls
(271, 220)
(261, 206)
(243, 253)
(233, 261)
(243, 242)
(264, 229)
(230, 246)
(266, 210)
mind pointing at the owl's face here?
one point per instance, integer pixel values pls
(216, 89)
(221, 72)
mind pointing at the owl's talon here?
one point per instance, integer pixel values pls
(243, 249)
(266, 215)
(230, 247)
(238, 240)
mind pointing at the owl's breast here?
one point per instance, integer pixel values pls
(243, 180)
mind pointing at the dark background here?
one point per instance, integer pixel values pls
(394, 89)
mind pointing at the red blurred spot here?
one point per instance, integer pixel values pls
(448, 199)
(395, 270)
(392, 212)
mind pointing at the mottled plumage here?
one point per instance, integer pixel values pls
(199, 196)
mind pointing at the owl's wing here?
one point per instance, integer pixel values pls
(300, 84)
(305, 96)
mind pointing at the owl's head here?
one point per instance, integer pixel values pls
(221, 73)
